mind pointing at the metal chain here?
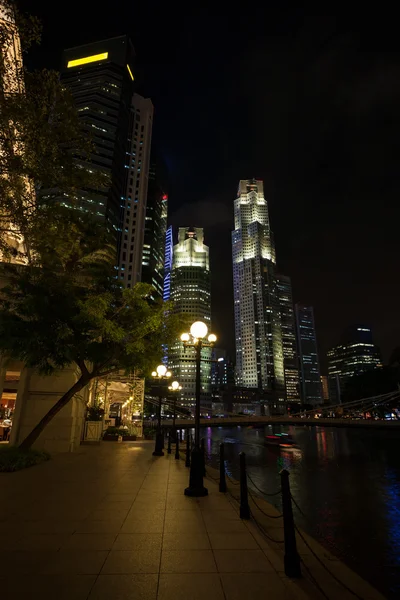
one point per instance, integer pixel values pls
(260, 490)
(261, 510)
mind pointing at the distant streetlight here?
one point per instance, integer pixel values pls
(175, 389)
(160, 374)
(196, 339)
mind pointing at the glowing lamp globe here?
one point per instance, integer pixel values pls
(199, 330)
(212, 338)
(154, 374)
(185, 337)
(168, 374)
(161, 370)
(175, 385)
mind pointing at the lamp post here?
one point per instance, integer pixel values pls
(160, 374)
(175, 389)
(197, 340)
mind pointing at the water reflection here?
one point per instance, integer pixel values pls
(347, 482)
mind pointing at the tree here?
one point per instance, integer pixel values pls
(69, 310)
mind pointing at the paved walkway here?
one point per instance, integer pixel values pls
(111, 522)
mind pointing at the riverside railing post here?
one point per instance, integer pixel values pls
(244, 497)
(204, 456)
(177, 448)
(158, 450)
(222, 480)
(187, 461)
(169, 442)
(291, 558)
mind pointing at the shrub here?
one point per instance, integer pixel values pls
(14, 459)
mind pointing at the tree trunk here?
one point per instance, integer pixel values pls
(63, 401)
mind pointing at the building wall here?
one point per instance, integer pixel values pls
(102, 90)
(191, 295)
(134, 203)
(355, 354)
(310, 379)
(288, 324)
(258, 336)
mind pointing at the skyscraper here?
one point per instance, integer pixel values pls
(355, 354)
(168, 253)
(310, 380)
(133, 253)
(288, 324)
(191, 294)
(100, 79)
(155, 227)
(259, 352)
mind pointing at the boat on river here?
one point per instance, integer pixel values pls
(281, 440)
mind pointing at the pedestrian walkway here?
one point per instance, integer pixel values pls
(111, 522)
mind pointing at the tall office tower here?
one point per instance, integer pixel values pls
(168, 253)
(355, 354)
(288, 324)
(325, 388)
(259, 353)
(155, 226)
(133, 254)
(222, 369)
(310, 380)
(99, 76)
(191, 294)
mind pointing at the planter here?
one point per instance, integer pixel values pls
(93, 431)
(113, 437)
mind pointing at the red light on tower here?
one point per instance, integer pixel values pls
(165, 197)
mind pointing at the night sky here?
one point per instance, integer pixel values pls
(308, 103)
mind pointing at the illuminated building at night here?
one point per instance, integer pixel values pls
(310, 379)
(191, 295)
(137, 223)
(288, 325)
(355, 354)
(258, 336)
(325, 388)
(100, 78)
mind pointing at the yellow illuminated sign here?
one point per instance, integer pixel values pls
(130, 72)
(87, 59)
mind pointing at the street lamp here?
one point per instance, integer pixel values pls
(175, 389)
(161, 373)
(197, 340)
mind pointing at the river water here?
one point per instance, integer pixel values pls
(346, 481)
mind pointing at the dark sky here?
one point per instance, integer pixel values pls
(309, 103)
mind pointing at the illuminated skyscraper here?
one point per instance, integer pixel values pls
(155, 227)
(191, 294)
(168, 263)
(355, 354)
(288, 324)
(259, 352)
(136, 218)
(100, 78)
(310, 380)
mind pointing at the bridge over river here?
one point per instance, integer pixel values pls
(284, 420)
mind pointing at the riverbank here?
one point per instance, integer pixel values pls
(260, 421)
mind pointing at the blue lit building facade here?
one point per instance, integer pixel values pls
(168, 263)
(310, 377)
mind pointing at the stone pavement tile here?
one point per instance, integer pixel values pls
(215, 525)
(112, 505)
(187, 561)
(23, 562)
(238, 586)
(108, 514)
(137, 541)
(89, 541)
(125, 587)
(237, 561)
(333, 589)
(182, 501)
(113, 497)
(99, 526)
(143, 560)
(191, 586)
(38, 541)
(185, 541)
(186, 526)
(47, 587)
(78, 562)
(147, 524)
(232, 541)
(214, 503)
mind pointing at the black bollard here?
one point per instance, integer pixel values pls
(177, 448)
(222, 480)
(291, 559)
(169, 442)
(244, 498)
(187, 461)
(180, 435)
(204, 455)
